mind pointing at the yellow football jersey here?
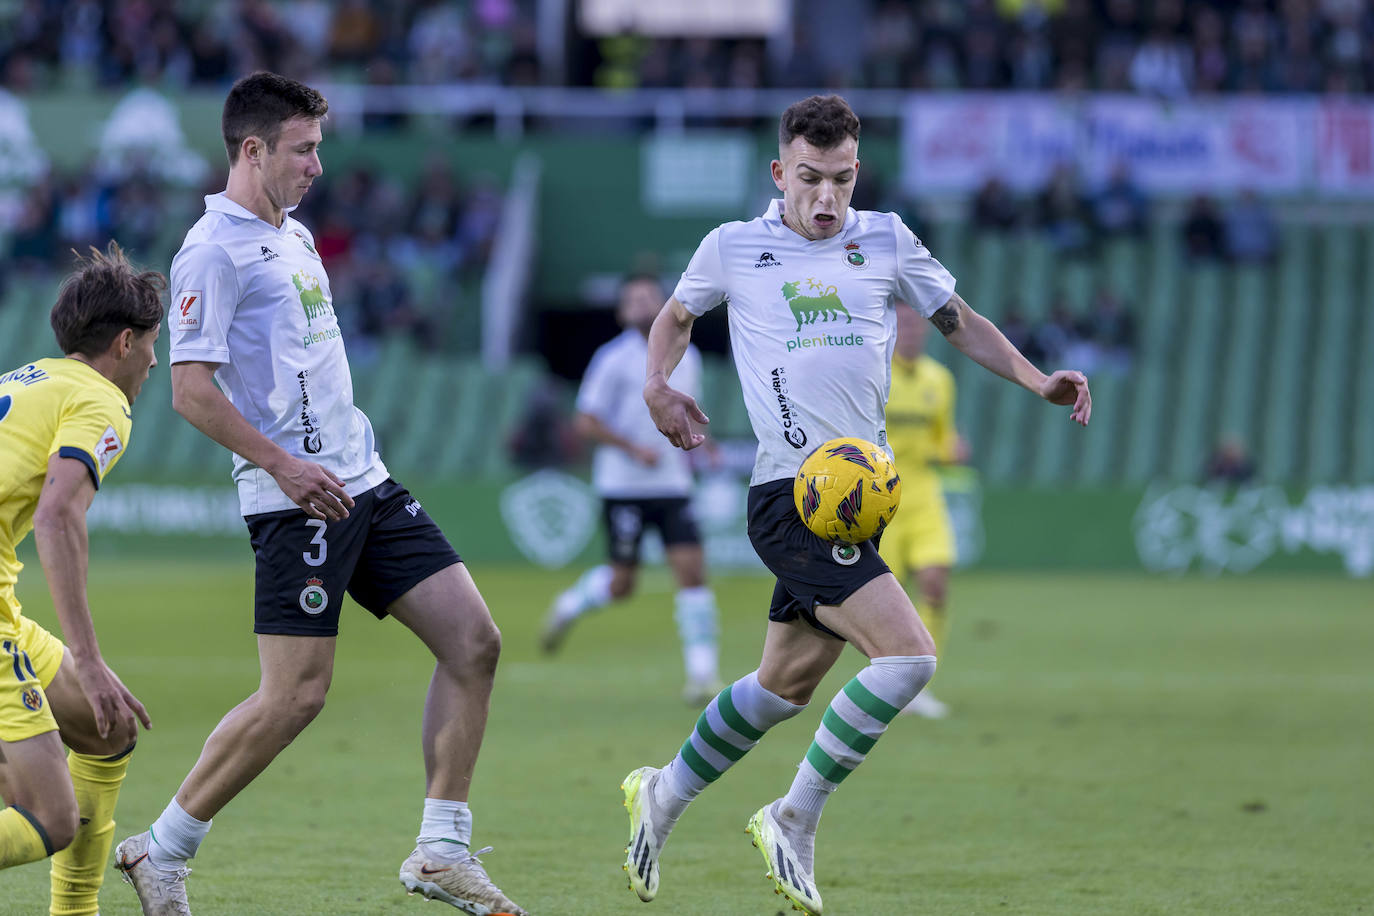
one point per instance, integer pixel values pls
(52, 406)
(920, 429)
(920, 416)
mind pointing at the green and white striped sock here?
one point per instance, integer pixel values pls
(727, 729)
(852, 724)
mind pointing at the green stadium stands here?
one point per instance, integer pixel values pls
(1281, 357)
(1362, 417)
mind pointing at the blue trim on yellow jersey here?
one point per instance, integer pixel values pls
(71, 451)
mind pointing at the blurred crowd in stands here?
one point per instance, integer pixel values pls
(1164, 47)
(405, 254)
(1077, 220)
(400, 258)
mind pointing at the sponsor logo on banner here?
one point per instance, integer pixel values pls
(107, 448)
(1345, 147)
(188, 310)
(550, 516)
(1216, 530)
(956, 142)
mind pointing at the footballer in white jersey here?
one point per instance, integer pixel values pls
(810, 289)
(258, 365)
(644, 483)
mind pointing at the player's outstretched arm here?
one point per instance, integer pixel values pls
(308, 485)
(591, 427)
(981, 341)
(59, 532)
(673, 411)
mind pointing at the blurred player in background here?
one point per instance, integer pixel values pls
(642, 481)
(918, 546)
(64, 423)
(253, 312)
(811, 287)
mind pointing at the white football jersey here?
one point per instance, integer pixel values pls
(812, 323)
(255, 299)
(613, 392)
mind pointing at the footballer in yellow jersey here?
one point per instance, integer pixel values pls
(64, 424)
(919, 543)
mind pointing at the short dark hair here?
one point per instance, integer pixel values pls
(821, 120)
(260, 103)
(104, 295)
(640, 276)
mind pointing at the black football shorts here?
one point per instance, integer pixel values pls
(386, 546)
(626, 520)
(810, 571)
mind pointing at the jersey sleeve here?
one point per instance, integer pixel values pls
(922, 282)
(596, 396)
(93, 429)
(702, 286)
(205, 294)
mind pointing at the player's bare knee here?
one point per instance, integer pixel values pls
(299, 708)
(622, 584)
(60, 819)
(692, 579)
(793, 684)
(480, 652)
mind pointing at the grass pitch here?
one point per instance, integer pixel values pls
(1119, 745)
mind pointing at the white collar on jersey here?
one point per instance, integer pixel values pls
(773, 217)
(221, 203)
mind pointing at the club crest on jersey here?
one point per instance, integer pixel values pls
(33, 700)
(314, 599)
(854, 256)
(306, 242)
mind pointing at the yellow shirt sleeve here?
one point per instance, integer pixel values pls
(94, 429)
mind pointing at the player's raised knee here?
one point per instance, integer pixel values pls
(60, 819)
(482, 648)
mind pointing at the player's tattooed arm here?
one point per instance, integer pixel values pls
(949, 317)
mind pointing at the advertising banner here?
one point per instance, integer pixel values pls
(553, 519)
(954, 142)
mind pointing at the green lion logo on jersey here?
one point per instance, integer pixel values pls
(312, 296)
(807, 309)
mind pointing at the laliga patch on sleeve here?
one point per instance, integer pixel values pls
(187, 314)
(107, 448)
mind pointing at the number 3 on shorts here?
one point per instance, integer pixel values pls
(321, 548)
